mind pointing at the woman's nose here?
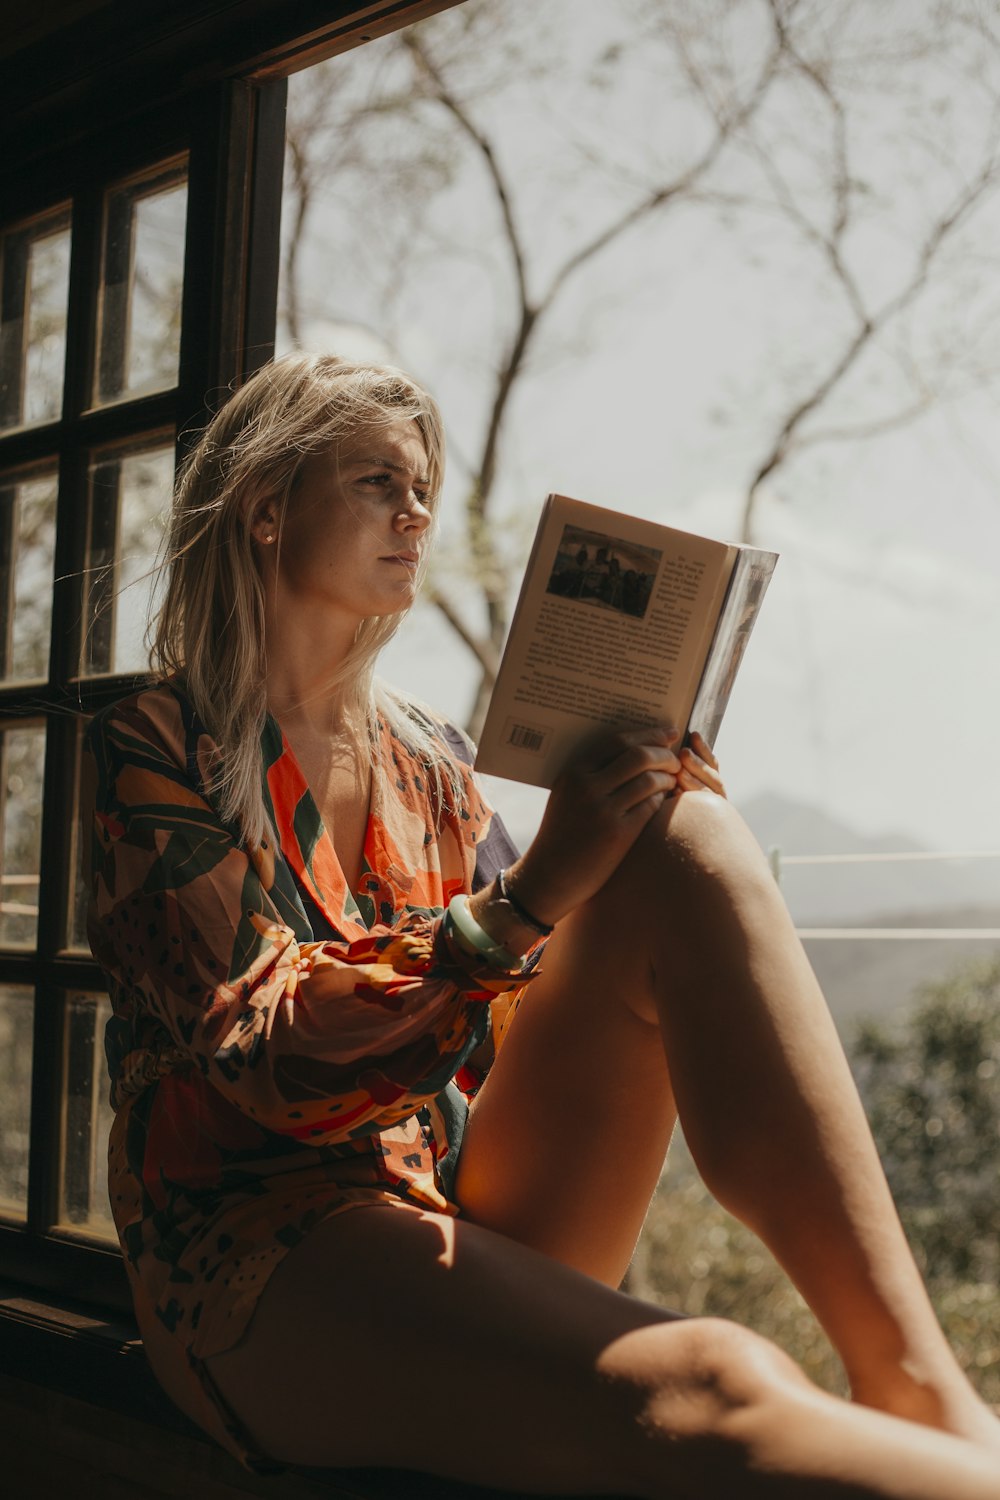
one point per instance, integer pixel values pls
(415, 517)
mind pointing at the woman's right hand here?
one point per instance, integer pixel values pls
(596, 810)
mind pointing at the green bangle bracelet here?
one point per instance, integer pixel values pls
(471, 935)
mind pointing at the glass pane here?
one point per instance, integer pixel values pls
(33, 294)
(143, 275)
(79, 895)
(88, 1116)
(129, 503)
(16, 1021)
(27, 542)
(22, 755)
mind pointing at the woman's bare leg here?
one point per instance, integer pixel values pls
(566, 1141)
(402, 1339)
(692, 940)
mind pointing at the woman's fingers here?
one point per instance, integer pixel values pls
(641, 788)
(699, 768)
(625, 757)
(604, 749)
(701, 747)
(622, 769)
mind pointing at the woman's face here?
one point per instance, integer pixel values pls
(356, 525)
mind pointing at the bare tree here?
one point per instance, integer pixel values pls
(332, 134)
(841, 193)
(774, 89)
(532, 295)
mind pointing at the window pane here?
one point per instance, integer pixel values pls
(22, 755)
(35, 285)
(143, 273)
(27, 541)
(16, 1019)
(79, 893)
(88, 1117)
(129, 501)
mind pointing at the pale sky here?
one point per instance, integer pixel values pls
(868, 689)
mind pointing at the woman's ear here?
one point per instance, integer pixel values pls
(264, 520)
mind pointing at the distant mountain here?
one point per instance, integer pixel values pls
(850, 894)
(877, 976)
(800, 828)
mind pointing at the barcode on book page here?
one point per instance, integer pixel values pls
(525, 736)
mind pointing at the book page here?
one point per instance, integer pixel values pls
(747, 588)
(612, 628)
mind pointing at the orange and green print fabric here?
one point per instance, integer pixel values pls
(246, 1106)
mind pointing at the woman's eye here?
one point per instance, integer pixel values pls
(380, 484)
(385, 483)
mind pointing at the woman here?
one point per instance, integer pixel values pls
(276, 841)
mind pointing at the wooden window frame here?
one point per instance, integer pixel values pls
(121, 92)
(231, 136)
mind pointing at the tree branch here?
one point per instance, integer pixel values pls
(477, 501)
(726, 125)
(869, 328)
(444, 96)
(299, 162)
(862, 431)
(484, 651)
(528, 316)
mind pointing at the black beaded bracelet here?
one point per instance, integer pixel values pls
(522, 911)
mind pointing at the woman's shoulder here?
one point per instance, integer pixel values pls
(454, 739)
(458, 742)
(425, 734)
(158, 717)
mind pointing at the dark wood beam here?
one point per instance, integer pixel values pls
(119, 58)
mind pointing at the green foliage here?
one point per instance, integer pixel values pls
(16, 1021)
(931, 1087)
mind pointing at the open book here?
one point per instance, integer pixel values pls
(620, 622)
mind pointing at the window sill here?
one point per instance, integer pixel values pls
(81, 1413)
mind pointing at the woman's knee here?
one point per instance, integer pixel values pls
(697, 848)
(702, 832)
(695, 875)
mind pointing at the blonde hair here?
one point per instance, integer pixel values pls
(210, 628)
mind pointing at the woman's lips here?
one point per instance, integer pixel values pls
(407, 559)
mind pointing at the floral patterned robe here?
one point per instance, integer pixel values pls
(245, 1111)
